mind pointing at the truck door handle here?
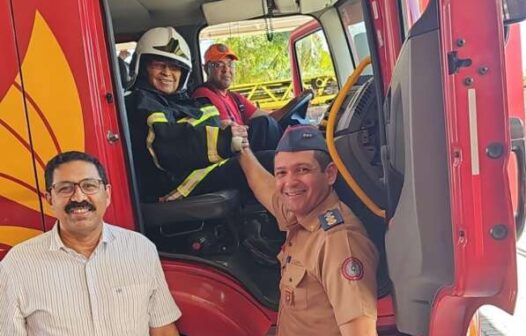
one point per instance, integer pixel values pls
(518, 145)
(112, 137)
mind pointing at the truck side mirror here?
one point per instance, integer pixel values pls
(513, 11)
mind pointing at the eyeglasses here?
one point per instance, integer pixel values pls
(223, 65)
(88, 186)
(160, 65)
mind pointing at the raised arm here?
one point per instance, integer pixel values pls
(259, 179)
(276, 114)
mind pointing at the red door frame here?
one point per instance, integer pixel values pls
(385, 17)
(476, 111)
(485, 267)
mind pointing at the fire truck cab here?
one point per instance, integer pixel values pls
(427, 129)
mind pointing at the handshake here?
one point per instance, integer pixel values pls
(239, 135)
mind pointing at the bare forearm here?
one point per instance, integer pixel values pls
(260, 181)
(278, 114)
(167, 330)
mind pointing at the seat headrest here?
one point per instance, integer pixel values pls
(124, 71)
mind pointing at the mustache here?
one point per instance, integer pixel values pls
(84, 204)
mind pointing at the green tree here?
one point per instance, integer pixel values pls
(260, 60)
(313, 56)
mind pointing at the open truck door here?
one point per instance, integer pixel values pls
(451, 236)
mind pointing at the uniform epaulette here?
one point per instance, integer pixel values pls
(330, 219)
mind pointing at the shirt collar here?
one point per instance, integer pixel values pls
(311, 222)
(57, 243)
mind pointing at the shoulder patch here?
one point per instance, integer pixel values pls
(352, 269)
(330, 219)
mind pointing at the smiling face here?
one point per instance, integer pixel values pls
(301, 181)
(164, 76)
(79, 214)
(221, 73)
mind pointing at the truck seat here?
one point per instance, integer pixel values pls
(214, 205)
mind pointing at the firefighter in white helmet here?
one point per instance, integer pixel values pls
(179, 147)
(161, 46)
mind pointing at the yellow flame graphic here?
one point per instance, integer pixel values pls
(54, 113)
(12, 235)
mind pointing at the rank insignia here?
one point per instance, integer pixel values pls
(352, 269)
(289, 296)
(330, 219)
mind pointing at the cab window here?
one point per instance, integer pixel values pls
(316, 72)
(263, 71)
(351, 14)
(412, 10)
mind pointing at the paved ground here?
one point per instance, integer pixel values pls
(494, 321)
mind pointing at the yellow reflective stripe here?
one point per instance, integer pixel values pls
(208, 112)
(195, 177)
(212, 134)
(172, 196)
(156, 117)
(210, 109)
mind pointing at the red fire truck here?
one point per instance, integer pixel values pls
(431, 142)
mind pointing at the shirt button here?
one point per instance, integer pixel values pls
(290, 279)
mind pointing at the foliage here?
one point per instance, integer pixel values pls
(313, 56)
(261, 60)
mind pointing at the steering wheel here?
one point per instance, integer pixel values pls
(296, 109)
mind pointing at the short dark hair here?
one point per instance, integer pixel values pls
(70, 156)
(323, 159)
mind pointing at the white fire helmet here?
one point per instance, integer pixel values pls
(165, 42)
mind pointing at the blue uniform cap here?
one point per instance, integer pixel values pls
(302, 138)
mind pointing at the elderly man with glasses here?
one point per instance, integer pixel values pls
(84, 277)
(263, 130)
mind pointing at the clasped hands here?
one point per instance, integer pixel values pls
(239, 135)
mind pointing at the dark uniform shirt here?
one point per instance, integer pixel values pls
(176, 142)
(328, 270)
